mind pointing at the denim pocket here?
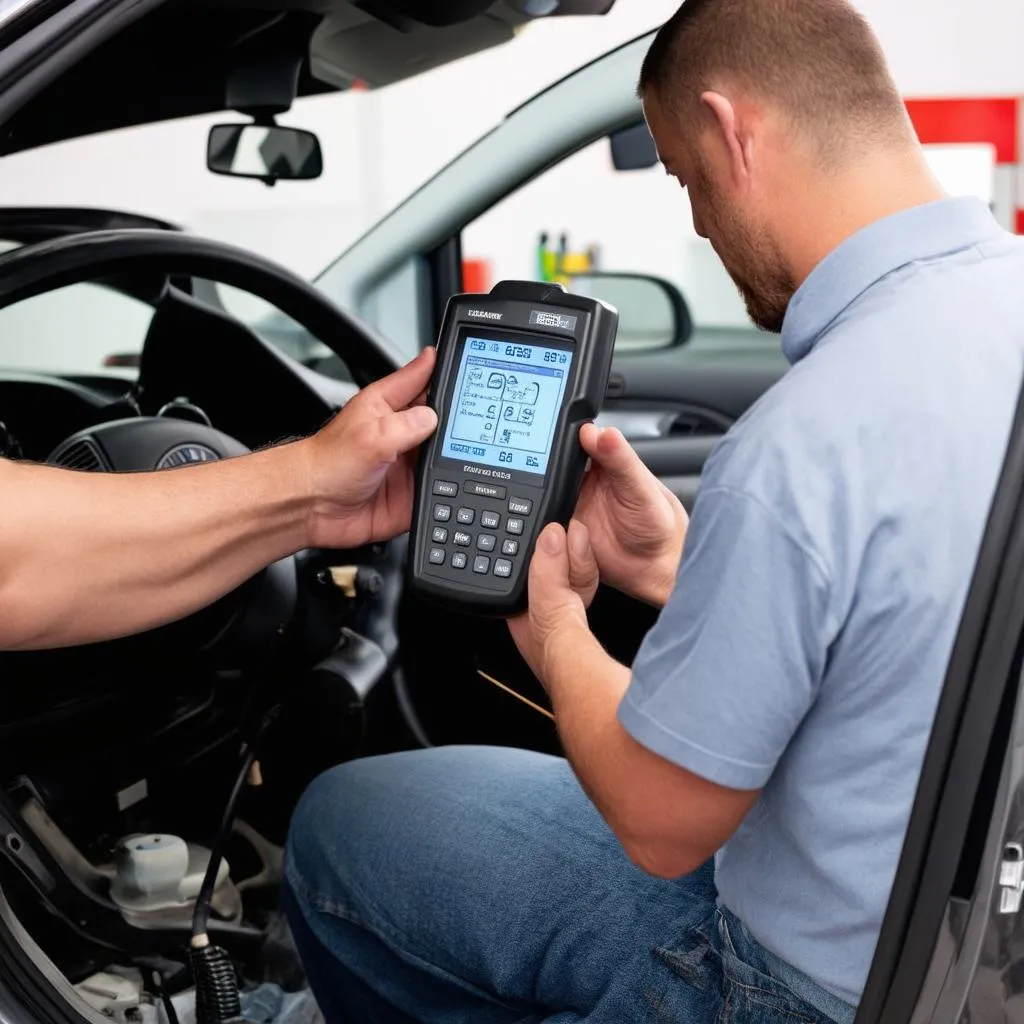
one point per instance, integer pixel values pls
(750, 996)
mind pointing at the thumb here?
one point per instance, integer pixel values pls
(403, 387)
(613, 454)
(549, 571)
(398, 432)
(583, 572)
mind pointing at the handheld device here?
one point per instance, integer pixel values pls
(519, 371)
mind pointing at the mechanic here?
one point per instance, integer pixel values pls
(92, 556)
(721, 839)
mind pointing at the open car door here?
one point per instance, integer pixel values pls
(952, 945)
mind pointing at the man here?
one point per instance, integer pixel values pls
(91, 556)
(777, 715)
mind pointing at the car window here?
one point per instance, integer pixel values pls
(78, 329)
(582, 216)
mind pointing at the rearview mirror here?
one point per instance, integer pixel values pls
(633, 149)
(267, 152)
(652, 312)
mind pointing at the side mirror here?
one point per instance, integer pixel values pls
(267, 152)
(633, 148)
(652, 312)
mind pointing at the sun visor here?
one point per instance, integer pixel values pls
(384, 41)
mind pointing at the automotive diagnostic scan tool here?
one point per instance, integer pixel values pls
(519, 371)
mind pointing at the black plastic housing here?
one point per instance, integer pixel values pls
(510, 311)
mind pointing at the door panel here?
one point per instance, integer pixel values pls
(674, 407)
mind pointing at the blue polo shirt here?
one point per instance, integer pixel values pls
(825, 570)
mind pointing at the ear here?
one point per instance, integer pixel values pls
(732, 133)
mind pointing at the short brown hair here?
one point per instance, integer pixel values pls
(817, 60)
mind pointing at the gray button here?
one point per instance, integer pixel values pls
(446, 488)
(459, 560)
(462, 538)
(520, 506)
(502, 567)
(483, 490)
(465, 516)
(486, 541)
(489, 520)
(440, 535)
(481, 564)
(437, 556)
(513, 525)
(442, 513)
(509, 547)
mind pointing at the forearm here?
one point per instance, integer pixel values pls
(88, 556)
(668, 820)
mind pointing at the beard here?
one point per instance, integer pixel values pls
(751, 257)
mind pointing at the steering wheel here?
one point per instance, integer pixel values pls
(147, 443)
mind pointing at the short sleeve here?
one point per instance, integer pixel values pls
(734, 662)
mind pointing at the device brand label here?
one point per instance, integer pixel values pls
(485, 314)
(542, 319)
(496, 473)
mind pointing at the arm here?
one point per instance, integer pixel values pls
(90, 556)
(668, 820)
(85, 556)
(675, 753)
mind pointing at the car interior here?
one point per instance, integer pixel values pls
(109, 749)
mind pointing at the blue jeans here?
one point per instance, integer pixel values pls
(472, 884)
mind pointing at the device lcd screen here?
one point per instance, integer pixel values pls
(505, 403)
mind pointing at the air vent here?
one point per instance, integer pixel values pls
(82, 454)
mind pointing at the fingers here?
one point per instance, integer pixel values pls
(562, 571)
(405, 386)
(609, 450)
(583, 572)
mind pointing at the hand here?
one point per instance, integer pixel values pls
(636, 524)
(361, 463)
(563, 581)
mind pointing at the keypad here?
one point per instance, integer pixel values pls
(497, 529)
